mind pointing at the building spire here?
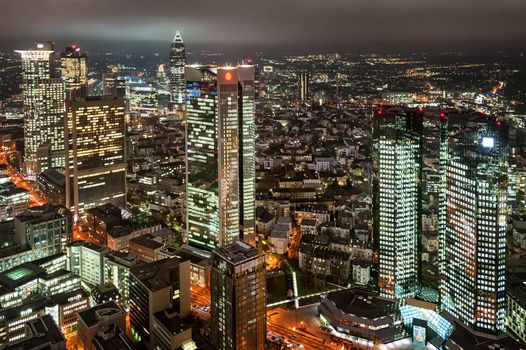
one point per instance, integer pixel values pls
(178, 38)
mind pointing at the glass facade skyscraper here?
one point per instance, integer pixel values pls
(74, 70)
(473, 279)
(220, 154)
(177, 70)
(397, 203)
(43, 96)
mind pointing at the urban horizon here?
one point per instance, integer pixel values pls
(339, 175)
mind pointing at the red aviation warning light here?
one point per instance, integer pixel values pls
(442, 115)
(379, 112)
(228, 76)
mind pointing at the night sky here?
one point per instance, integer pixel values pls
(269, 25)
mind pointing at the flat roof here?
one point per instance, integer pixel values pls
(236, 252)
(89, 316)
(155, 275)
(360, 303)
(42, 333)
(20, 275)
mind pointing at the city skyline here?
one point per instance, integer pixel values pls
(233, 175)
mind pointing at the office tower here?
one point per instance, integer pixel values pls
(43, 96)
(158, 289)
(220, 154)
(45, 229)
(397, 203)
(96, 169)
(113, 85)
(177, 71)
(74, 71)
(238, 293)
(473, 283)
(303, 86)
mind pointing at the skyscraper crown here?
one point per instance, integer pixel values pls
(178, 38)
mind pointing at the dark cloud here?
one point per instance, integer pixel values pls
(293, 24)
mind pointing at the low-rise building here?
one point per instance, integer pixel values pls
(40, 333)
(64, 308)
(13, 201)
(86, 259)
(104, 321)
(147, 248)
(308, 227)
(361, 271)
(52, 186)
(279, 239)
(361, 314)
(516, 308)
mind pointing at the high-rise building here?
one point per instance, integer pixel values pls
(238, 293)
(303, 86)
(397, 203)
(473, 280)
(220, 155)
(113, 85)
(96, 169)
(43, 95)
(74, 70)
(177, 71)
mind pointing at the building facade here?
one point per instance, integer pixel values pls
(177, 71)
(238, 292)
(397, 200)
(45, 229)
(96, 169)
(43, 96)
(74, 70)
(473, 283)
(220, 155)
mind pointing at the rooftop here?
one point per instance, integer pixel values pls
(43, 333)
(119, 341)
(90, 316)
(360, 303)
(54, 177)
(43, 213)
(147, 241)
(236, 252)
(19, 275)
(156, 275)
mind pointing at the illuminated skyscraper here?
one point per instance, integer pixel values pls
(303, 86)
(96, 171)
(220, 154)
(473, 280)
(177, 70)
(238, 291)
(113, 85)
(74, 70)
(43, 96)
(397, 200)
